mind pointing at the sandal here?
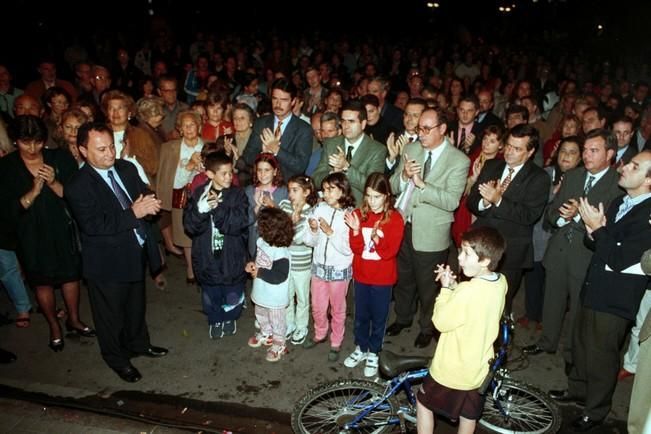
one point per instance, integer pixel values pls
(23, 322)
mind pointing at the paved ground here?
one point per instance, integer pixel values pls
(203, 383)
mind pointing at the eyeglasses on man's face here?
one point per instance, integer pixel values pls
(426, 130)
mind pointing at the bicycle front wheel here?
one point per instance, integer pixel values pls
(329, 407)
(520, 409)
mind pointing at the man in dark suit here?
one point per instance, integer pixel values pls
(379, 86)
(465, 133)
(354, 153)
(510, 196)
(612, 291)
(486, 117)
(109, 202)
(286, 136)
(623, 131)
(567, 258)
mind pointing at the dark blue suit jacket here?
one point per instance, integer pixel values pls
(295, 145)
(109, 247)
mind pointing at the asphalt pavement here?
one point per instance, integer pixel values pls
(202, 385)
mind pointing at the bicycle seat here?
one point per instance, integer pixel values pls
(392, 364)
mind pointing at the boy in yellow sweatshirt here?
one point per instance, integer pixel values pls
(467, 315)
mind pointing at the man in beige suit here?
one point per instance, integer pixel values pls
(430, 180)
(354, 153)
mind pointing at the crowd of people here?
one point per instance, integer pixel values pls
(435, 185)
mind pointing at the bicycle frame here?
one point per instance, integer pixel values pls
(401, 382)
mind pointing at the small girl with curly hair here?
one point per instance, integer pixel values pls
(270, 273)
(331, 262)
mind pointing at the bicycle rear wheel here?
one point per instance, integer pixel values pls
(524, 410)
(329, 407)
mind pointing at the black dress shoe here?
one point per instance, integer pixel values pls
(129, 374)
(155, 352)
(7, 356)
(564, 397)
(56, 345)
(532, 350)
(584, 423)
(423, 340)
(395, 329)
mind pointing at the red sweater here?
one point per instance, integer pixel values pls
(376, 264)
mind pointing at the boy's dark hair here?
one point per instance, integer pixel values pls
(216, 159)
(339, 180)
(85, 129)
(487, 243)
(275, 227)
(306, 183)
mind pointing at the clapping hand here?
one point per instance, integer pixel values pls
(490, 192)
(352, 220)
(146, 205)
(251, 269)
(594, 218)
(314, 224)
(338, 160)
(325, 227)
(569, 209)
(445, 276)
(46, 173)
(396, 145)
(270, 143)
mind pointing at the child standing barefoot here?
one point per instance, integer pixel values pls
(332, 259)
(376, 231)
(467, 315)
(302, 197)
(270, 272)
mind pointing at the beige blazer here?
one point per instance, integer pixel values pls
(431, 210)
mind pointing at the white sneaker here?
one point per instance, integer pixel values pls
(370, 370)
(290, 330)
(355, 358)
(299, 336)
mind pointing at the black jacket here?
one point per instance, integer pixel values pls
(225, 266)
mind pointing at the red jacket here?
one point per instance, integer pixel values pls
(376, 264)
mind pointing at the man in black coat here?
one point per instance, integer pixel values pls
(109, 202)
(510, 196)
(612, 291)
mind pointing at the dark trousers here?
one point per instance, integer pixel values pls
(371, 312)
(534, 285)
(416, 284)
(222, 302)
(119, 316)
(513, 279)
(598, 338)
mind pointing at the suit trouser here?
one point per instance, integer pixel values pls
(513, 279)
(119, 316)
(534, 286)
(416, 283)
(561, 280)
(598, 338)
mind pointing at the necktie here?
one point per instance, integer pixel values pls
(278, 130)
(349, 153)
(426, 166)
(507, 180)
(125, 202)
(462, 138)
(588, 185)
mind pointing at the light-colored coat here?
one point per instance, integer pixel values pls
(431, 209)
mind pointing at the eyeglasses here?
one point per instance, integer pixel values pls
(426, 130)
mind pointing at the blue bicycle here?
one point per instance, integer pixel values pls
(361, 406)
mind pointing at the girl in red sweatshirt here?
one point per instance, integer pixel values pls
(376, 231)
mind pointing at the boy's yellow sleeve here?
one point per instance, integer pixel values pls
(450, 308)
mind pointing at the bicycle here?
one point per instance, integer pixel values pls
(362, 406)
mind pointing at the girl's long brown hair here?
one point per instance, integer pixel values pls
(378, 182)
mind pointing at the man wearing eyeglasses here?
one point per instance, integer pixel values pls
(430, 180)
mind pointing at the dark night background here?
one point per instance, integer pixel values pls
(32, 29)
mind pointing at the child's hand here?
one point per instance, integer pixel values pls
(214, 199)
(352, 221)
(445, 276)
(314, 225)
(325, 227)
(251, 269)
